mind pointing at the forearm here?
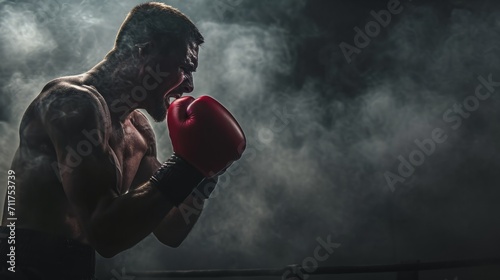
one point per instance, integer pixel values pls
(179, 222)
(125, 220)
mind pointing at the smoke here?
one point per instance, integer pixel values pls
(25, 36)
(322, 132)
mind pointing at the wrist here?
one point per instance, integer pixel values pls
(176, 179)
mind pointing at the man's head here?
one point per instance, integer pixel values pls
(162, 44)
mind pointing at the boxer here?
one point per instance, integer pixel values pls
(87, 174)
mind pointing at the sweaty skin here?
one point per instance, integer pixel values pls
(103, 197)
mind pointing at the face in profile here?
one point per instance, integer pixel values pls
(174, 73)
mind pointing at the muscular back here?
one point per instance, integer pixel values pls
(65, 129)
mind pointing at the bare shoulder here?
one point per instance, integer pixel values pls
(67, 92)
(65, 105)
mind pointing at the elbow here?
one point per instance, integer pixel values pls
(106, 253)
(106, 240)
(107, 249)
(106, 245)
(174, 244)
(170, 241)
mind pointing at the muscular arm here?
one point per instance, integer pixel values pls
(112, 222)
(178, 223)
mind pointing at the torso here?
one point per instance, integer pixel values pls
(41, 203)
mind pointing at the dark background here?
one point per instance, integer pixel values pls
(322, 132)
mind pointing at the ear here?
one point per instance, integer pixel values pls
(143, 49)
(141, 54)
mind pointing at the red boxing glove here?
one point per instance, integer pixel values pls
(204, 134)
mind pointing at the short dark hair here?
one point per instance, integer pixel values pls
(153, 20)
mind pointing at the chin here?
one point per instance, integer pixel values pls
(159, 112)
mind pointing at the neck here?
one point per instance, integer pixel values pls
(113, 78)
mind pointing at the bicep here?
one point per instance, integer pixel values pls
(78, 128)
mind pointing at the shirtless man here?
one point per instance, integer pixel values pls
(87, 176)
